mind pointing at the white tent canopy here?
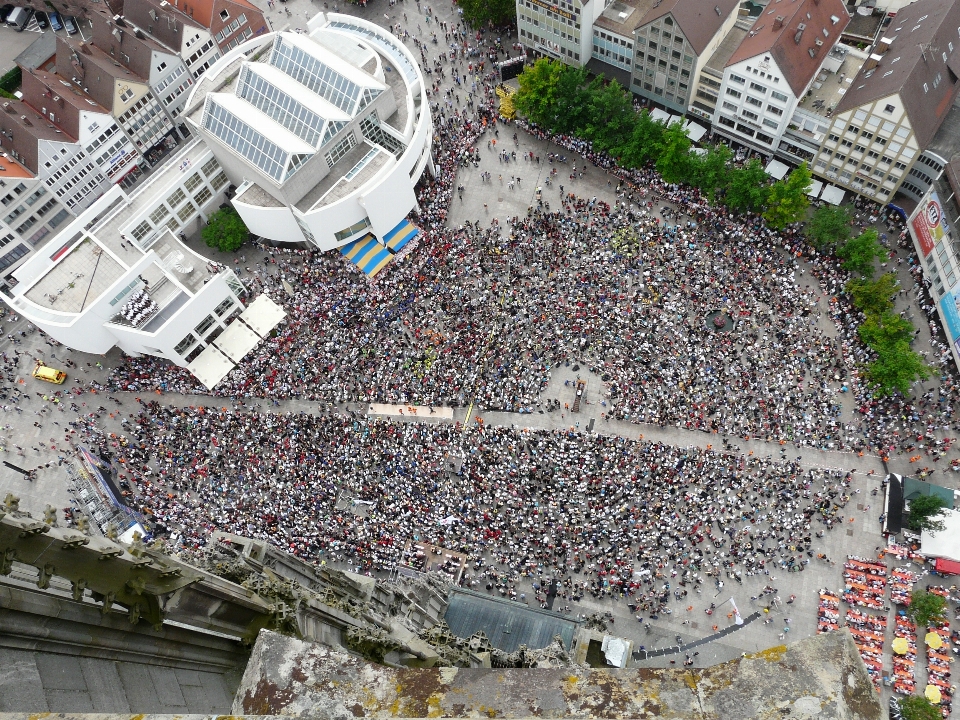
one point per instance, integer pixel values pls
(236, 341)
(263, 315)
(777, 170)
(210, 367)
(944, 544)
(659, 115)
(815, 188)
(695, 131)
(832, 194)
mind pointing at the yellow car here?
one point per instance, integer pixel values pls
(49, 374)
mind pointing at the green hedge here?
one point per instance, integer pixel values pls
(11, 80)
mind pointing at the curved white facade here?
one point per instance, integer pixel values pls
(325, 133)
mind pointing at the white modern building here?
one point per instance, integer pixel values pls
(119, 276)
(773, 67)
(325, 134)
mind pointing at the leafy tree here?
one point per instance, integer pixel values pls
(611, 118)
(924, 512)
(830, 225)
(858, 253)
(673, 162)
(873, 296)
(537, 96)
(641, 146)
(225, 230)
(711, 171)
(788, 199)
(926, 608)
(917, 707)
(573, 100)
(748, 188)
(885, 330)
(894, 370)
(481, 12)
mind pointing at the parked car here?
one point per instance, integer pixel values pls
(18, 18)
(55, 21)
(4, 11)
(41, 18)
(70, 24)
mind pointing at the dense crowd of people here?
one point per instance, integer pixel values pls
(603, 515)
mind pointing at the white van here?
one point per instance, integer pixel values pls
(19, 17)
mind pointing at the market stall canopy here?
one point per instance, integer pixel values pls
(210, 367)
(815, 188)
(832, 194)
(946, 543)
(695, 131)
(900, 646)
(263, 315)
(933, 640)
(932, 693)
(660, 115)
(777, 170)
(236, 341)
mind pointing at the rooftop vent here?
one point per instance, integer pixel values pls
(778, 23)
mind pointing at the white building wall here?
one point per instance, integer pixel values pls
(276, 223)
(756, 97)
(70, 174)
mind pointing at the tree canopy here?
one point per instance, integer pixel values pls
(873, 297)
(859, 253)
(829, 226)
(916, 707)
(225, 230)
(926, 608)
(747, 188)
(481, 12)
(787, 201)
(925, 512)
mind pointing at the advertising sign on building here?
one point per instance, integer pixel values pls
(929, 224)
(950, 311)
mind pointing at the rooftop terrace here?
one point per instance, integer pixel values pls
(829, 88)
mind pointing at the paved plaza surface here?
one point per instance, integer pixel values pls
(34, 436)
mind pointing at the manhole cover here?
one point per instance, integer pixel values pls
(694, 625)
(860, 506)
(499, 199)
(850, 533)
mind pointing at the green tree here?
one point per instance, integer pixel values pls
(874, 297)
(859, 253)
(481, 12)
(917, 707)
(537, 96)
(611, 116)
(748, 188)
(673, 162)
(225, 230)
(711, 171)
(641, 146)
(885, 330)
(788, 201)
(573, 100)
(926, 608)
(894, 370)
(829, 226)
(924, 512)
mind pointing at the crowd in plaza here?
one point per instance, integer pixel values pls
(604, 515)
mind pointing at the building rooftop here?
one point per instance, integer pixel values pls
(337, 185)
(828, 88)
(909, 60)
(78, 279)
(39, 53)
(946, 142)
(506, 623)
(623, 16)
(718, 61)
(698, 19)
(256, 195)
(10, 168)
(864, 27)
(798, 35)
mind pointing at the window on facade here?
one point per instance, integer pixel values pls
(753, 101)
(219, 181)
(224, 15)
(159, 214)
(775, 110)
(205, 325)
(176, 198)
(340, 149)
(737, 79)
(758, 87)
(203, 196)
(193, 181)
(770, 123)
(224, 307)
(733, 93)
(141, 230)
(186, 212)
(181, 347)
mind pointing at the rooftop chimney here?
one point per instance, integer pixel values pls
(9, 108)
(25, 120)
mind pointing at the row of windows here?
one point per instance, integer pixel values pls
(315, 75)
(295, 117)
(250, 143)
(231, 28)
(549, 43)
(161, 215)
